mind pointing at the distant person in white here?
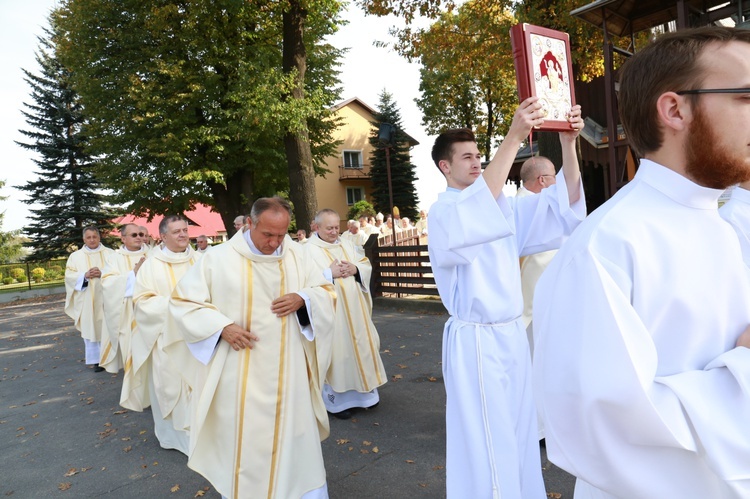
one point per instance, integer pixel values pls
(642, 358)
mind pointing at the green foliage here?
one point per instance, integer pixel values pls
(37, 273)
(403, 172)
(187, 100)
(467, 75)
(360, 208)
(7, 280)
(18, 274)
(65, 196)
(10, 245)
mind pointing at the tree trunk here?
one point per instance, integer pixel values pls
(549, 146)
(297, 144)
(235, 199)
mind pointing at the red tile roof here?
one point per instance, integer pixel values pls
(201, 221)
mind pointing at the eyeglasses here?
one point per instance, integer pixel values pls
(137, 234)
(698, 91)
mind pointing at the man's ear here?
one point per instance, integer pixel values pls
(675, 112)
(444, 167)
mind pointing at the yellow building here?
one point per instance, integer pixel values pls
(349, 179)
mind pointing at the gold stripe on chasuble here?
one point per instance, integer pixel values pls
(129, 364)
(104, 354)
(246, 297)
(350, 322)
(366, 313)
(280, 389)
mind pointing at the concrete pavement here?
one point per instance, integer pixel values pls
(63, 434)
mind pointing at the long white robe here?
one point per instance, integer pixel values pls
(85, 305)
(118, 281)
(475, 243)
(643, 393)
(148, 363)
(355, 358)
(359, 239)
(736, 211)
(258, 416)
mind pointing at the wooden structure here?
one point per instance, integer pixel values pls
(626, 18)
(402, 268)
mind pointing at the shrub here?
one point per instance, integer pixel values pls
(55, 268)
(38, 273)
(360, 208)
(18, 274)
(7, 280)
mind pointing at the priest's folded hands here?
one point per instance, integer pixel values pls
(237, 337)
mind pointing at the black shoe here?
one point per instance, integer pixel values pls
(98, 368)
(345, 414)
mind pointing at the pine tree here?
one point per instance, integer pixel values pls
(403, 172)
(65, 188)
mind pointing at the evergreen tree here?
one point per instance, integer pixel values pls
(65, 187)
(10, 244)
(403, 172)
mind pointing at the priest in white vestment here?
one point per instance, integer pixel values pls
(259, 315)
(356, 369)
(476, 237)
(354, 234)
(84, 302)
(118, 281)
(201, 244)
(642, 366)
(537, 173)
(151, 375)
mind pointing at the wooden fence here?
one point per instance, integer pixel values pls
(400, 265)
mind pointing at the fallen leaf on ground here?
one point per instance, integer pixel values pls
(397, 377)
(423, 485)
(416, 354)
(120, 412)
(71, 472)
(554, 495)
(402, 366)
(128, 448)
(175, 488)
(64, 485)
(410, 461)
(432, 378)
(364, 451)
(438, 467)
(342, 441)
(375, 450)
(200, 493)
(366, 442)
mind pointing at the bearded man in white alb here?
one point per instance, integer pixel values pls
(356, 369)
(151, 376)
(258, 315)
(642, 362)
(118, 281)
(476, 238)
(84, 302)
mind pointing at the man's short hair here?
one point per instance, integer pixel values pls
(92, 228)
(443, 147)
(164, 224)
(325, 211)
(124, 228)
(533, 167)
(669, 64)
(275, 203)
(202, 237)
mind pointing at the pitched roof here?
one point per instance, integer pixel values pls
(356, 100)
(201, 221)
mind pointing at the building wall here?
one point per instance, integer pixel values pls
(354, 134)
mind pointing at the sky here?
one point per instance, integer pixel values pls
(365, 72)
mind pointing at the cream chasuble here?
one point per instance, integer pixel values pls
(154, 283)
(86, 307)
(355, 360)
(118, 308)
(258, 415)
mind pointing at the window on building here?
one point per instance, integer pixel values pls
(353, 159)
(354, 194)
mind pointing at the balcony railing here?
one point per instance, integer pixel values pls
(349, 173)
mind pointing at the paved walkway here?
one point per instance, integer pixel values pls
(63, 434)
